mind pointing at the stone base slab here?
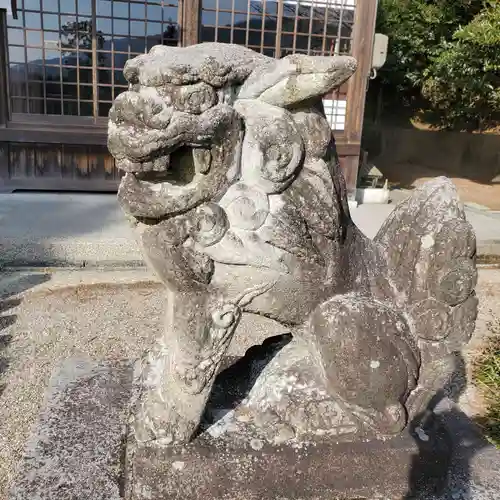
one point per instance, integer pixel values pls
(316, 471)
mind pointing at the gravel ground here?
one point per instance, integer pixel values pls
(46, 317)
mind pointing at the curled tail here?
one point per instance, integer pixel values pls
(431, 274)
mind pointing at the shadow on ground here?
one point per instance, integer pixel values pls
(234, 383)
(451, 479)
(12, 284)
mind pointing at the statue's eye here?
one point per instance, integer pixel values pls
(195, 98)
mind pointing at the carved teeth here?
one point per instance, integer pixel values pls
(202, 160)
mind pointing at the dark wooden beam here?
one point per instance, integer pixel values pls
(54, 136)
(4, 88)
(13, 8)
(55, 184)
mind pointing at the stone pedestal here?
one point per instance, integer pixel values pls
(322, 470)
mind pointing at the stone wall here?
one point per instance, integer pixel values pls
(454, 154)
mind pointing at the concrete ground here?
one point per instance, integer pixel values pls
(48, 315)
(90, 229)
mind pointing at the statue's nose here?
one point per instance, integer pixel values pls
(125, 107)
(144, 108)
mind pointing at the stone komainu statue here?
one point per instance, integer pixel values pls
(232, 177)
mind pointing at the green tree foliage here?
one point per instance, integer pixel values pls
(443, 57)
(463, 82)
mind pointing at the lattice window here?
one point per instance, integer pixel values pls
(66, 57)
(335, 111)
(278, 28)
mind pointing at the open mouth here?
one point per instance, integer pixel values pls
(181, 167)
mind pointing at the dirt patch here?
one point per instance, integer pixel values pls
(411, 176)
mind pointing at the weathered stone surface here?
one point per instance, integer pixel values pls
(296, 78)
(78, 445)
(319, 471)
(233, 178)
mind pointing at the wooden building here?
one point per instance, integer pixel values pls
(61, 65)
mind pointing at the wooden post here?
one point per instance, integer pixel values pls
(4, 68)
(4, 99)
(191, 19)
(362, 45)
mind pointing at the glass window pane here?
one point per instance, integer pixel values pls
(104, 25)
(70, 108)
(86, 92)
(226, 4)
(104, 76)
(137, 28)
(32, 4)
(240, 20)
(50, 6)
(35, 72)
(255, 23)
(120, 60)
(50, 22)
(34, 55)
(19, 22)
(104, 108)
(15, 36)
(154, 28)
(154, 13)
(69, 76)
(54, 73)
(70, 91)
(52, 57)
(53, 90)
(34, 38)
(119, 78)
(86, 109)
(84, 58)
(53, 107)
(104, 7)
(104, 59)
(17, 83)
(68, 6)
(170, 14)
(85, 75)
(171, 35)
(241, 5)
(224, 35)
(33, 20)
(18, 105)
(269, 39)
(119, 90)
(121, 8)
(138, 10)
(224, 19)
(36, 106)
(120, 27)
(84, 7)
(105, 93)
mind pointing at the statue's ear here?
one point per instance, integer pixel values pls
(296, 78)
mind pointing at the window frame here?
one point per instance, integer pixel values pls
(69, 122)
